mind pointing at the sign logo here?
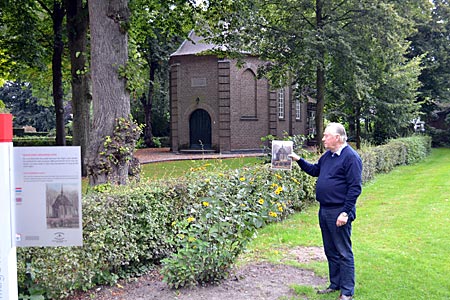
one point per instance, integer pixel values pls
(59, 237)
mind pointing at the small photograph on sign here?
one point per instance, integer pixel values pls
(280, 152)
(62, 205)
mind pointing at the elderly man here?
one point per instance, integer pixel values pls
(339, 172)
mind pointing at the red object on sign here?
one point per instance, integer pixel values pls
(6, 130)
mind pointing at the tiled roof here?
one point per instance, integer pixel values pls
(193, 45)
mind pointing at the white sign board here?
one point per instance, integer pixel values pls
(48, 196)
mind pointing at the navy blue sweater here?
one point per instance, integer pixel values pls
(339, 180)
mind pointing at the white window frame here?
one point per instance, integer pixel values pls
(298, 110)
(281, 103)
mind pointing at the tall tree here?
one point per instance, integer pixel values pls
(432, 39)
(156, 29)
(26, 39)
(376, 80)
(77, 28)
(108, 21)
(57, 14)
(308, 39)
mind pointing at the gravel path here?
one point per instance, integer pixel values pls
(254, 281)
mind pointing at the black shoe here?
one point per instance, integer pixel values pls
(326, 291)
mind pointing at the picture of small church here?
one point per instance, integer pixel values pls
(62, 210)
(217, 106)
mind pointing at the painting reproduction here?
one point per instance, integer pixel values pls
(280, 152)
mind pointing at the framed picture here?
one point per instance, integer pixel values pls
(280, 152)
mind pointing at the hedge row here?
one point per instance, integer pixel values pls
(34, 141)
(195, 226)
(402, 151)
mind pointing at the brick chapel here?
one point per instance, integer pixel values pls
(216, 105)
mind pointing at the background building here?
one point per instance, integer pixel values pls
(219, 106)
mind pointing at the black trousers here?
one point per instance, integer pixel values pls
(338, 250)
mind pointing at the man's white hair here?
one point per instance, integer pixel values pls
(339, 129)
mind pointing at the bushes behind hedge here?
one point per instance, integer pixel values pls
(196, 225)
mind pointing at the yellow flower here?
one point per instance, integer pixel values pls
(295, 180)
(278, 176)
(174, 223)
(278, 190)
(190, 219)
(207, 180)
(191, 239)
(205, 203)
(261, 201)
(273, 214)
(274, 185)
(242, 178)
(280, 208)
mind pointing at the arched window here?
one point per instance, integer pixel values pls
(248, 94)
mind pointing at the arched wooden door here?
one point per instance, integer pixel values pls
(200, 130)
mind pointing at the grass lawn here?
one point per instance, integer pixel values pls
(171, 169)
(400, 237)
(179, 168)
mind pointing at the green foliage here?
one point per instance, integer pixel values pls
(126, 230)
(403, 151)
(27, 109)
(33, 141)
(228, 211)
(440, 137)
(3, 108)
(117, 150)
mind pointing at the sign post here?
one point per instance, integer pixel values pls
(8, 264)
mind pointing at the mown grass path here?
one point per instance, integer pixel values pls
(401, 235)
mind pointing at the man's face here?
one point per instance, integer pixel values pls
(331, 140)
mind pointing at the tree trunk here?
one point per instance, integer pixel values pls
(320, 75)
(111, 100)
(58, 47)
(148, 104)
(77, 27)
(358, 126)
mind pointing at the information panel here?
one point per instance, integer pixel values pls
(48, 196)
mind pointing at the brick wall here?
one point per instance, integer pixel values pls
(242, 108)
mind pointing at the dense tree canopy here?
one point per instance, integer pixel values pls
(26, 109)
(351, 54)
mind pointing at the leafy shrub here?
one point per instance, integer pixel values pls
(229, 210)
(125, 231)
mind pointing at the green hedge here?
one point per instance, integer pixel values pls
(402, 151)
(32, 141)
(196, 226)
